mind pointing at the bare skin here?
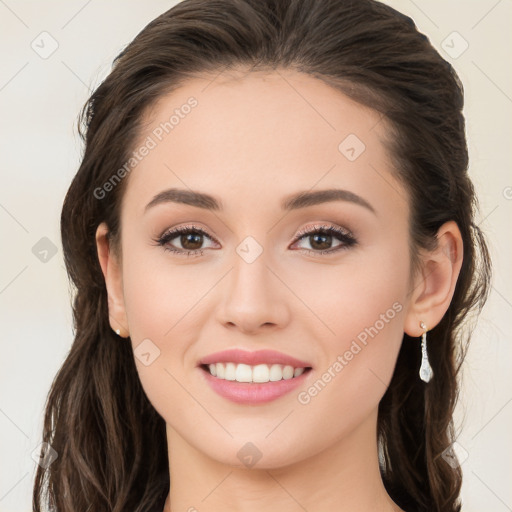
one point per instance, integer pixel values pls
(252, 141)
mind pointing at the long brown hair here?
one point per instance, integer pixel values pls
(110, 441)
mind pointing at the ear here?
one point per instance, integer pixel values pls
(433, 287)
(113, 280)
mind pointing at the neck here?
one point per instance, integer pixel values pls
(344, 477)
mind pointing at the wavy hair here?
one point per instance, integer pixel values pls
(110, 440)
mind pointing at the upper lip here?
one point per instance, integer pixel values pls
(253, 358)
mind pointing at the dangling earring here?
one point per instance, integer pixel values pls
(426, 372)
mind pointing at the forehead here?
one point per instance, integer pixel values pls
(261, 133)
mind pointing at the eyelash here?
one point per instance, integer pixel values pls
(344, 236)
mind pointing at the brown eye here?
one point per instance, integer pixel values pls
(191, 241)
(187, 241)
(321, 238)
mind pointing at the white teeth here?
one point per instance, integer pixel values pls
(288, 372)
(221, 370)
(230, 373)
(276, 372)
(259, 373)
(243, 373)
(298, 371)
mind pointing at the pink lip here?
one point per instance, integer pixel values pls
(253, 358)
(253, 393)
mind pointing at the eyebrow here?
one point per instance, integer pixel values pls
(296, 201)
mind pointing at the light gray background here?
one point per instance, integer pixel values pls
(39, 101)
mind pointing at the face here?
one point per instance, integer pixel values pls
(325, 282)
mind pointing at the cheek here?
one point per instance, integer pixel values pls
(163, 301)
(361, 306)
(159, 296)
(357, 369)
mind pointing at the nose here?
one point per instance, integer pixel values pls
(254, 298)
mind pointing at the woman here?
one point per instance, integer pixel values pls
(272, 240)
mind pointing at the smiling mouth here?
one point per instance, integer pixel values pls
(260, 373)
